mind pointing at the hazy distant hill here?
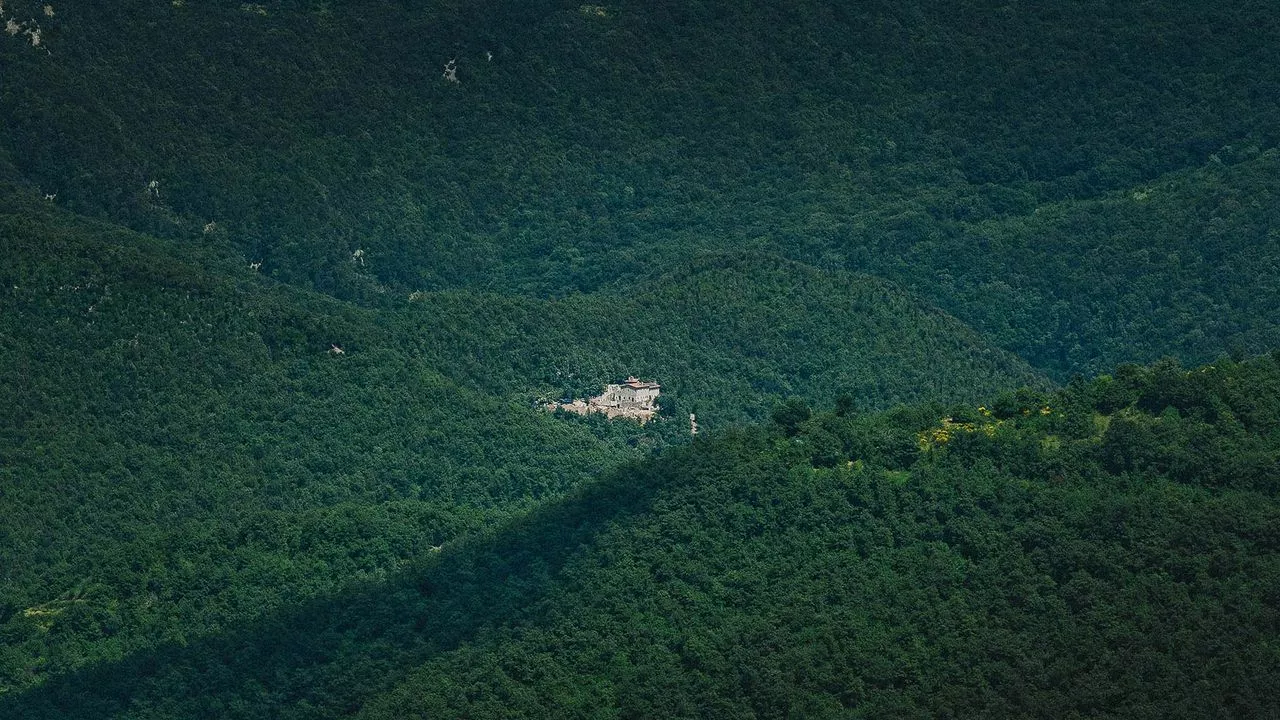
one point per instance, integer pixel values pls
(583, 144)
(1186, 265)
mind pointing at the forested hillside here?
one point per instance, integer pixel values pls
(181, 450)
(187, 445)
(1108, 549)
(286, 287)
(584, 144)
(729, 336)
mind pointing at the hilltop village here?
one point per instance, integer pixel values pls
(633, 398)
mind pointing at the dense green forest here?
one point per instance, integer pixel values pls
(1089, 183)
(287, 285)
(181, 433)
(1107, 549)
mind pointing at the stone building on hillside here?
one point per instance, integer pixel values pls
(633, 393)
(633, 398)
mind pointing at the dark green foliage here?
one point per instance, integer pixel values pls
(182, 433)
(279, 305)
(668, 407)
(845, 405)
(789, 415)
(747, 575)
(736, 333)
(186, 443)
(973, 587)
(1086, 183)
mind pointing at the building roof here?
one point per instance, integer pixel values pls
(637, 384)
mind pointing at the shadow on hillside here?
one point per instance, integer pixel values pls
(325, 658)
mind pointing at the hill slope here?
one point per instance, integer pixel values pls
(184, 448)
(1186, 265)
(584, 145)
(1113, 555)
(729, 336)
(280, 299)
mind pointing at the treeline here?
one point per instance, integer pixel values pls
(1108, 550)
